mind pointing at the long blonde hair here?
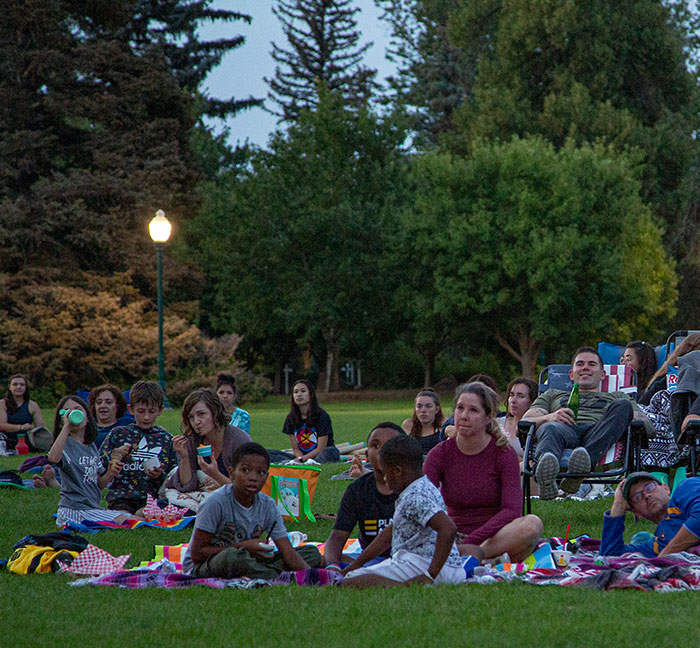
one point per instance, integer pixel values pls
(489, 401)
(691, 343)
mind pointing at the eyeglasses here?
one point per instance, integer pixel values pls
(649, 488)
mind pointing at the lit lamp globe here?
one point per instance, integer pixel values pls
(159, 227)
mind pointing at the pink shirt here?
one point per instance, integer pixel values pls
(482, 491)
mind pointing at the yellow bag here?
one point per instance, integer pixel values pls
(293, 488)
(32, 559)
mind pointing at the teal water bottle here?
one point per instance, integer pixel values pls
(76, 417)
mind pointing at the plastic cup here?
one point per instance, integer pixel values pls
(561, 558)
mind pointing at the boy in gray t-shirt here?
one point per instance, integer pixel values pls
(228, 542)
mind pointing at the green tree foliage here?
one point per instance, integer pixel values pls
(292, 246)
(322, 47)
(93, 138)
(585, 70)
(172, 28)
(547, 249)
(434, 76)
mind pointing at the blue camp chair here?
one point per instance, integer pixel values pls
(611, 353)
(622, 459)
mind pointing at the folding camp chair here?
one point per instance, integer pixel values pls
(675, 338)
(621, 459)
(682, 399)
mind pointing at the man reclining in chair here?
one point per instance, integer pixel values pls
(677, 516)
(602, 419)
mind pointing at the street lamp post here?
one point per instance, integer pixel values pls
(159, 229)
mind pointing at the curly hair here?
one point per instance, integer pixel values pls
(118, 397)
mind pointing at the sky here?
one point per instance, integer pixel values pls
(241, 72)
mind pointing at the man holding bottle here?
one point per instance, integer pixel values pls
(599, 421)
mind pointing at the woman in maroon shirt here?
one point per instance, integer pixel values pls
(479, 477)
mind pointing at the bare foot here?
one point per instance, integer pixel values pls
(49, 474)
(47, 478)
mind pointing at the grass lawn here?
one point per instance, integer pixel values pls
(45, 608)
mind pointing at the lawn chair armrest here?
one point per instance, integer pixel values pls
(524, 430)
(639, 435)
(691, 432)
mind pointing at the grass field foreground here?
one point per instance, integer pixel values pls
(45, 607)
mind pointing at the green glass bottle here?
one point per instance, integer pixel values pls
(573, 400)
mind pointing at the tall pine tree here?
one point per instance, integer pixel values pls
(323, 47)
(434, 76)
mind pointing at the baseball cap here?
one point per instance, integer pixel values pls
(633, 478)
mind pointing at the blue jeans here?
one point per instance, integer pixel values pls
(597, 438)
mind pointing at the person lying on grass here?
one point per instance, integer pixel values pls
(421, 536)
(677, 516)
(367, 502)
(82, 475)
(228, 542)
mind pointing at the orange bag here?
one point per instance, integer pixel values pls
(293, 488)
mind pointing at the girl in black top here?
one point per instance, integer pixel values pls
(427, 418)
(309, 427)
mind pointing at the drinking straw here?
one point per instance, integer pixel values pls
(566, 537)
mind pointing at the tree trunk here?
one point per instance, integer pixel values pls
(528, 350)
(331, 373)
(429, 369)
(278, 385)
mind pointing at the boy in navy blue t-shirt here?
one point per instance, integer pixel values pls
(367, 502)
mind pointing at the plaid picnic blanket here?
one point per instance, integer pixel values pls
(94, 561)
(672, 573)
(144, 578)
(163, 575)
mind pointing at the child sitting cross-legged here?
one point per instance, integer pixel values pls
(422, 536)
(236, 523)
(367, 502)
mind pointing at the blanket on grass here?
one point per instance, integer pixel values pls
(672, 573)
(95, 527)
(174, 553)
(163, 576)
